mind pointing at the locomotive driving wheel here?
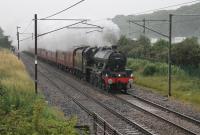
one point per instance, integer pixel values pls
(103, 85)
(91, 79)
(124, 88)
(107, 88)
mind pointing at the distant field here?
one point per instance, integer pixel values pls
(21, 111)
(185, 87)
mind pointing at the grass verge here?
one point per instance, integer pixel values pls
(21, 111)
(185, 87)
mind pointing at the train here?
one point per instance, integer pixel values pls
(103, 67)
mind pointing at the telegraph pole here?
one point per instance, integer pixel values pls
(18, 41)
(144, 26)
(36, 91)
(129, 31)
(144, 32)
(169, 55)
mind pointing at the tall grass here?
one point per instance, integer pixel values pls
(21, 111)
(185, 86)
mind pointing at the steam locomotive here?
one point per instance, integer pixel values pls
(104, 67)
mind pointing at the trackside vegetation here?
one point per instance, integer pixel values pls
(21, 111)
(4, 40)
(149, 64)
(154, 75)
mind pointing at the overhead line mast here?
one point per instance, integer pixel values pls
(18, 41)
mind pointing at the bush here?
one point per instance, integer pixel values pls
(154, 68)
(149, 69)
(137, 64)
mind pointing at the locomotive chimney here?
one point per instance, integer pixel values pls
(114, 47)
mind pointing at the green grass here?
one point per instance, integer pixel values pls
(21, 111)
(185, 87)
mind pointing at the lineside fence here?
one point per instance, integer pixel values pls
(99, 124)
(102, 127)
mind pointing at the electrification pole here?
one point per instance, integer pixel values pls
(129, 29)
(18, 42)
(144, 26)
(36, 81)
(169, 55)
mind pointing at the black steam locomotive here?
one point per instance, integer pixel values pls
(104, 67)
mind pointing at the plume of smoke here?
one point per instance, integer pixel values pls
(69, 38)
(109, 35)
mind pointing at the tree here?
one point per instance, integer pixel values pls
(126, 45)
(123, 41)
(4, 40)
(159, 50)
(135, 49)
(144, 45)
(186, 53)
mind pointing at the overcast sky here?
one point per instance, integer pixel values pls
(20, 12)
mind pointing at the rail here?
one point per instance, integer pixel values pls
(103, 125)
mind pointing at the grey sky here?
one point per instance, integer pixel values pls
(20, 12)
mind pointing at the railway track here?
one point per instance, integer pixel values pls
(181, 121)
(127, 101)
(117, 120)
(165, 114)
(188, 118)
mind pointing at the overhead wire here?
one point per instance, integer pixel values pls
(26, 38)
(138, 31)
(69, 19)
(171, 6)
(29, 24)
(46, 18)
(26, 28)
(179, 21)
(153, 10)
(59, 29)
(93, 25)
(63, 10)
(69, 27)
(93, 31)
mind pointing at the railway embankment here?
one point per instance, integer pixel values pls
(21, 110)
